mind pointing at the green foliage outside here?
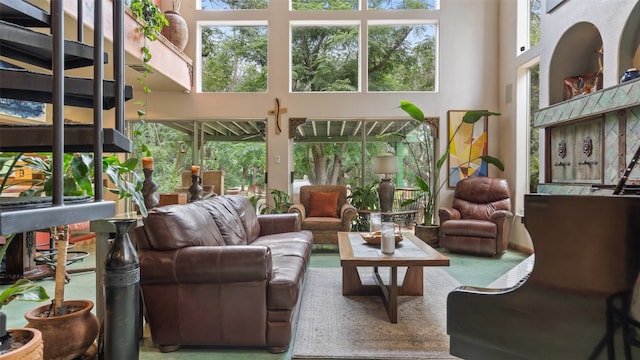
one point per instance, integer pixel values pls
(324, 58)
(244, 162)
(234, 59)
(234, 4)
(534, 135)
(534, 22)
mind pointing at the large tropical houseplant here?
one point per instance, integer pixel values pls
(428, 170)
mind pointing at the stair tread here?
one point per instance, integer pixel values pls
(15, 219)
(23, 13)
(77, 138)
(36, 48)
(29, 85)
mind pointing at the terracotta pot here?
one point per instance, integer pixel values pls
(429, 234)
(67, 336)
(31, 350)
(177, 31)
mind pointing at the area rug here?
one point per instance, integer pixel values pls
(332, 326)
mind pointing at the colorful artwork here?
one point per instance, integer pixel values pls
(466, 146)
(12, 110)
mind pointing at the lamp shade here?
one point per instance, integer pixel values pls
(387, 164)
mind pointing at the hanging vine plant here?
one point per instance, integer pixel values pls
(151, 21)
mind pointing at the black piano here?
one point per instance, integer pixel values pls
(586, 249)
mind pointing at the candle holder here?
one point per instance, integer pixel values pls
(195, 189)
(149, 187)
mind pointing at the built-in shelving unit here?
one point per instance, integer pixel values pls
(590, 140)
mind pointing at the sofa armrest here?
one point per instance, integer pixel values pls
(502, 219)
(278, 223)
(347, 213)
(206, 264)
(298, 209)
(500, 216)
(446, 213)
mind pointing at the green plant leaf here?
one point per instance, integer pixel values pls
(23, 289)
(442, 159)
(471, 117)
(412, 110)
(494, 161)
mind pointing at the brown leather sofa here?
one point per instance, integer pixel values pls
(478, 221)
(212, 272)
(325, 226)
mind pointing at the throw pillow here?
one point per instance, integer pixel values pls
(323, 204)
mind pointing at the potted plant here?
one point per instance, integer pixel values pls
(428, 174)
(17, 343)
(280, 205)
(20, 343)
(69, 329)
(78, 176)
(364, 198)
(177, 31)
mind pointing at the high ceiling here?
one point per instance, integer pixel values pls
(309, 130)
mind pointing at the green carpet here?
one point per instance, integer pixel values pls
(481, 271)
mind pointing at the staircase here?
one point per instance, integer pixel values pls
(51, 54)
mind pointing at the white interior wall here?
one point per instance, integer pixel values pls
(468, 30)
(608, 16)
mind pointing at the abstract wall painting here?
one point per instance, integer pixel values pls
(465, 148)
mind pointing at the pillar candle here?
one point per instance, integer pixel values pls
(147, 163)
(195, 170)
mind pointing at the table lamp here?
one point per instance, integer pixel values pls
(386, 165)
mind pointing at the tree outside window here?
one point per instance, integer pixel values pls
(234, 59)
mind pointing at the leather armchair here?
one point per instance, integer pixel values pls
(479, 218)
(324, 228)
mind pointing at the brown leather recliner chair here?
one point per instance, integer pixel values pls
(478, 221)
(324, 210)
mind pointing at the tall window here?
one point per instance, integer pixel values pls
(534, 135)
(402, 57)
(233, 4)
(534, 22)
(324, 58)
(334, 46)
(402, 4)
(234, 58)
(301, 5)
(528, 27)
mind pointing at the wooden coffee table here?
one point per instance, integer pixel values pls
(411, 252)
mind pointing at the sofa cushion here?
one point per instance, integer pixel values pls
(473, 228)
(323, 204)
(247, 215)
(322, 223)
(177, 226)
(292, 244)
(286, 282)
(227, 219)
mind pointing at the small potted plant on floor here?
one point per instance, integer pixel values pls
(20, 343)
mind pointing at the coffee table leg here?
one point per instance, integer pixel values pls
(351, 282)
(389, 293)
(412, 284)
